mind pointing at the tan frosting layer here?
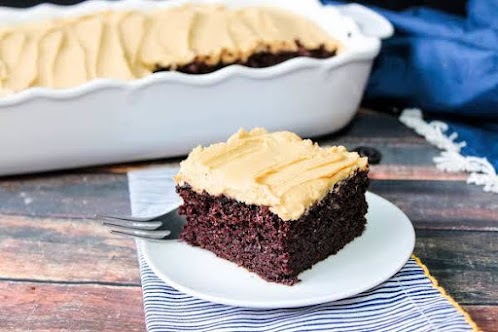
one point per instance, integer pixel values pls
(62, 53)
(279, 170)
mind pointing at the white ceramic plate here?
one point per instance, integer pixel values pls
(364, 263)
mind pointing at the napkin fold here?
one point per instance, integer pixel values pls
(409, 301)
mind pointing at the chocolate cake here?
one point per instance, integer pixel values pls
(256, 60)
(272, 202)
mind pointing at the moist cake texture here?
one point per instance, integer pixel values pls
(272, 202)
(130, 44)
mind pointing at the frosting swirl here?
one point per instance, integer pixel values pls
(278, 169)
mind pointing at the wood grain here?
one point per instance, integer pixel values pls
(378, 125)
(465, 263)
(442, 204)
(65, 195)
(28, 306)
(413, 173)
(65, 250)
(486, 317)
(55, 307)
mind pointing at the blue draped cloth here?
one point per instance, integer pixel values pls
(447, 65)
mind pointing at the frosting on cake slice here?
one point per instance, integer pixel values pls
(279, 170)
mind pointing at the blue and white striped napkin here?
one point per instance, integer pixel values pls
(409, 301)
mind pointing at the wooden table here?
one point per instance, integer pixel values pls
(61, 270)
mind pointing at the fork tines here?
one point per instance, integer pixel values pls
(145, 228)
(153, 235)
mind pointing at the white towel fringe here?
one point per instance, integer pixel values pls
(482, 173)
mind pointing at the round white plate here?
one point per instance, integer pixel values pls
(370, 259)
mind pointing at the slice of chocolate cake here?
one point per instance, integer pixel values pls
(272, 202)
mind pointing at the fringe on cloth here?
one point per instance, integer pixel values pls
(482, 173)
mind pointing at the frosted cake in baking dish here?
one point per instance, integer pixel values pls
(125, 45)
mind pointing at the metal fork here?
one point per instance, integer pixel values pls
(166, 226)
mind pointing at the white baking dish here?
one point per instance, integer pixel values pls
(167, 114)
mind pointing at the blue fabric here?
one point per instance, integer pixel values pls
(446, 65)
(439, 62)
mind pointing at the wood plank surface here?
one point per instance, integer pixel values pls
(65, 250)
(465, 263)
(413, 173)
(28, 306)
(442, 204)
(65, 195)
(486, 317)
(59, 307)
(378, 125)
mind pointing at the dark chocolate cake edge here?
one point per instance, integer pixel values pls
(257, 239)
(256, 60)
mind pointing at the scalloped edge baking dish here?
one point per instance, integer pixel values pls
(167, 114)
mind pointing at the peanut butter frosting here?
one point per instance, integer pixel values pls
(279, 170)
(125, 45)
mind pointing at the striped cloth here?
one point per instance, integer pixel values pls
(409, 301)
